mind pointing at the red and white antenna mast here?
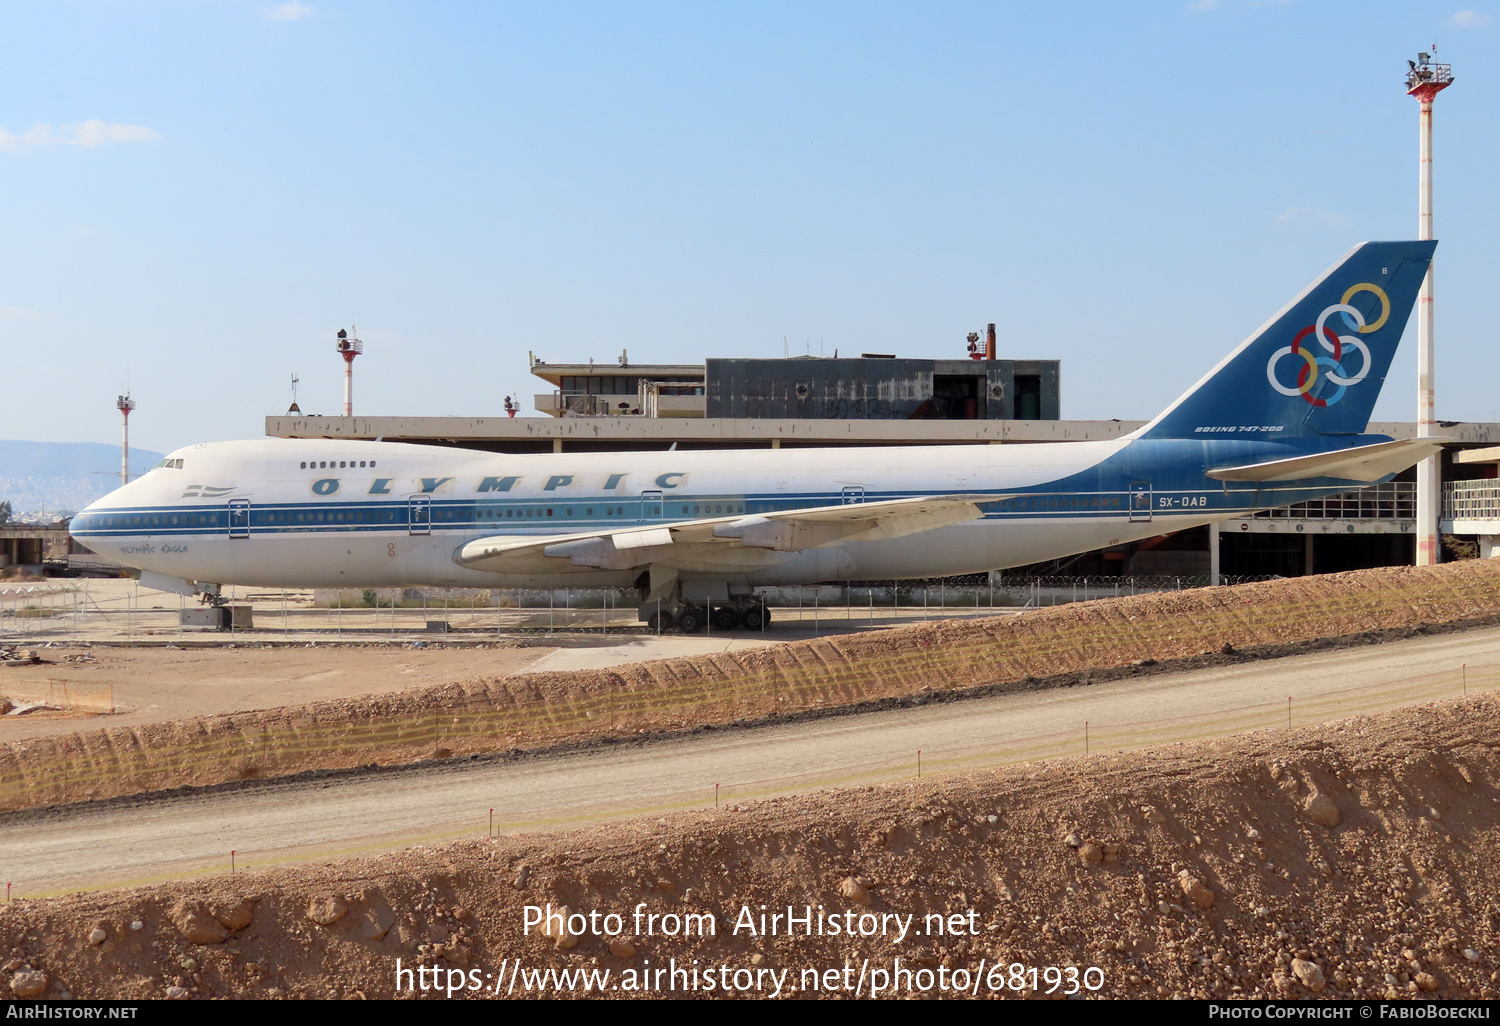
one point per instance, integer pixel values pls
(125, 404)
(349, 347)
(1424, 81)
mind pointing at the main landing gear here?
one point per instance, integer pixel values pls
(689, 617)
(667, 604)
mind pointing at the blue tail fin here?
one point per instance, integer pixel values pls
(1317, 367)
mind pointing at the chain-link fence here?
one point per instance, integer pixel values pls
(1052, 591)
(121, 610)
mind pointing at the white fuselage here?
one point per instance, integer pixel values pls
(318, 513)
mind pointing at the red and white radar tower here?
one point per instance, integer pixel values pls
(125, 404)
(1424, 81)
(349, 347)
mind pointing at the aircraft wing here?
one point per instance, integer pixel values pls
(755, 535)
(1362, 463)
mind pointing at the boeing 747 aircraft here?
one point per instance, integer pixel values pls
(1279, 420)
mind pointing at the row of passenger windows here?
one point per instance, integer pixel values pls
(521, 514)
(652, 510)
(706, 509)
(159, 520)
(1087, 502)
(333, 464)
(338, 516)
(389, 516)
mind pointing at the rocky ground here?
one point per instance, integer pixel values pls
(1352, 859)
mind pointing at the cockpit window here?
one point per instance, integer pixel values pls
(169, 465)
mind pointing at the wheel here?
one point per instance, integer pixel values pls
(656, 623)
(690, 620)
(725, 619)
(755, 618)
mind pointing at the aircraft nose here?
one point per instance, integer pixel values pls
(109, 501)
(85, 514)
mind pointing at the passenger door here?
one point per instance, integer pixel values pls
(419, 515)
(1140, 501)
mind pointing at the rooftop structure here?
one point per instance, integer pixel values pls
(884, 388)
(620, 389)
(547, 434)
(595, 434)
(871, 387)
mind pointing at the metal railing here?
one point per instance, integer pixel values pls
(1471, 500)
(675, 397)
(1428, 74)
(1394, 500)
(577, 404)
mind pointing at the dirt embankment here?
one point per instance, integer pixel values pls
(1355, 859)
(158, 684)
(537, 710)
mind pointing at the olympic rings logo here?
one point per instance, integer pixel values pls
(1330, 366)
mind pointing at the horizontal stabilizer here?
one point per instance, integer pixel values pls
(1362, 463)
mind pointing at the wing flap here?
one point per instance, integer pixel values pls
(780, 531)
(1362, 463)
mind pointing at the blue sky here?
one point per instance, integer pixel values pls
(195, 196)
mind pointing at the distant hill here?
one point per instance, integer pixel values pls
(63, 477)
